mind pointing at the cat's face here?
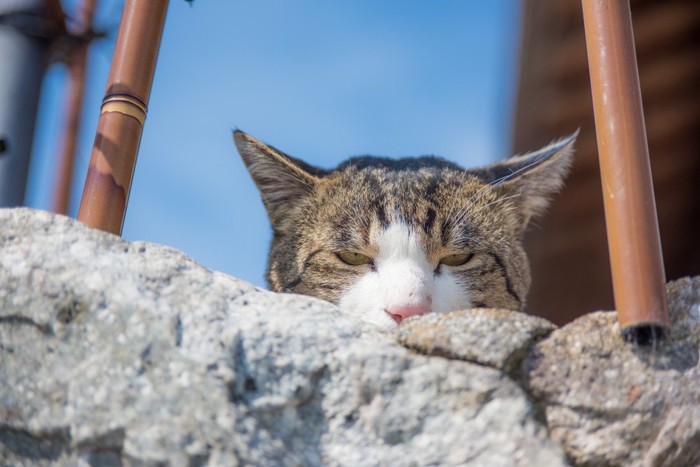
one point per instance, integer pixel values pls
(388, 239)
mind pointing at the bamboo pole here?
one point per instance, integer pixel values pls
(630, 211)
(77, 59)
(124, 107)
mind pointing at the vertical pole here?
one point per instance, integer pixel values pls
(630, 210)
(23, 59)
(124, 106)
(77, 59)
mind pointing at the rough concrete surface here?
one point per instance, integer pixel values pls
(118, 353)
(495, 338)
(610, 402)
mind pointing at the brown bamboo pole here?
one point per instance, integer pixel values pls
(124, 107)
(77, 59)
(630, 211)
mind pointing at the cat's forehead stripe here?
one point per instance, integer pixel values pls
(429, 220)
(378, 198)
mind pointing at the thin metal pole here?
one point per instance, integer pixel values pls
(77, 60)
(124, 107)
(26, 29)
(630, 211)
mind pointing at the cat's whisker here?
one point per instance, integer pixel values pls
(459, 220)
(513, 173)
(481, 192)
(471, 202)
(455, 194)
(499, 200)
(468, 204)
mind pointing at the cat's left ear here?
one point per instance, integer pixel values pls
(532, 179)
(281, 179)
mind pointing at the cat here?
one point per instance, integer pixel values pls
(389, 239)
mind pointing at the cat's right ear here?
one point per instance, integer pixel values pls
(281, 179)
(531, 179)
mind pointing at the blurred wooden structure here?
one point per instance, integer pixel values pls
(570, 264)
(76, 62)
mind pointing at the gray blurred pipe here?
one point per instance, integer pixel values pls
(23, 60)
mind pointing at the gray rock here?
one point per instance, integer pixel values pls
(496, 338)
(613, 403)
(130, 353)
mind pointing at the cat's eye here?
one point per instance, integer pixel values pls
(353, 259)
(458, 259)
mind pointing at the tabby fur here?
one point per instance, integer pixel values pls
(405, 215)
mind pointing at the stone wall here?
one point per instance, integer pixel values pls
(116, 353)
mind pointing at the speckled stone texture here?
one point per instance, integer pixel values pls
(610, 402)
(118, 353)
(495, 338)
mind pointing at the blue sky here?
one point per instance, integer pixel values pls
(320, 80)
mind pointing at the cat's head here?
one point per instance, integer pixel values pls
(387, 239)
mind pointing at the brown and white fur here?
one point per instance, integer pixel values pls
(388, 239)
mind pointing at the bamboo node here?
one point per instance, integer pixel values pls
(125, 104)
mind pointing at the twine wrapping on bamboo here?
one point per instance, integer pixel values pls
(125, 104)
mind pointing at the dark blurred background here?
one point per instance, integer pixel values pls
(571, 273)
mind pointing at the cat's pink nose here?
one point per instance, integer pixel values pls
(402, 312)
